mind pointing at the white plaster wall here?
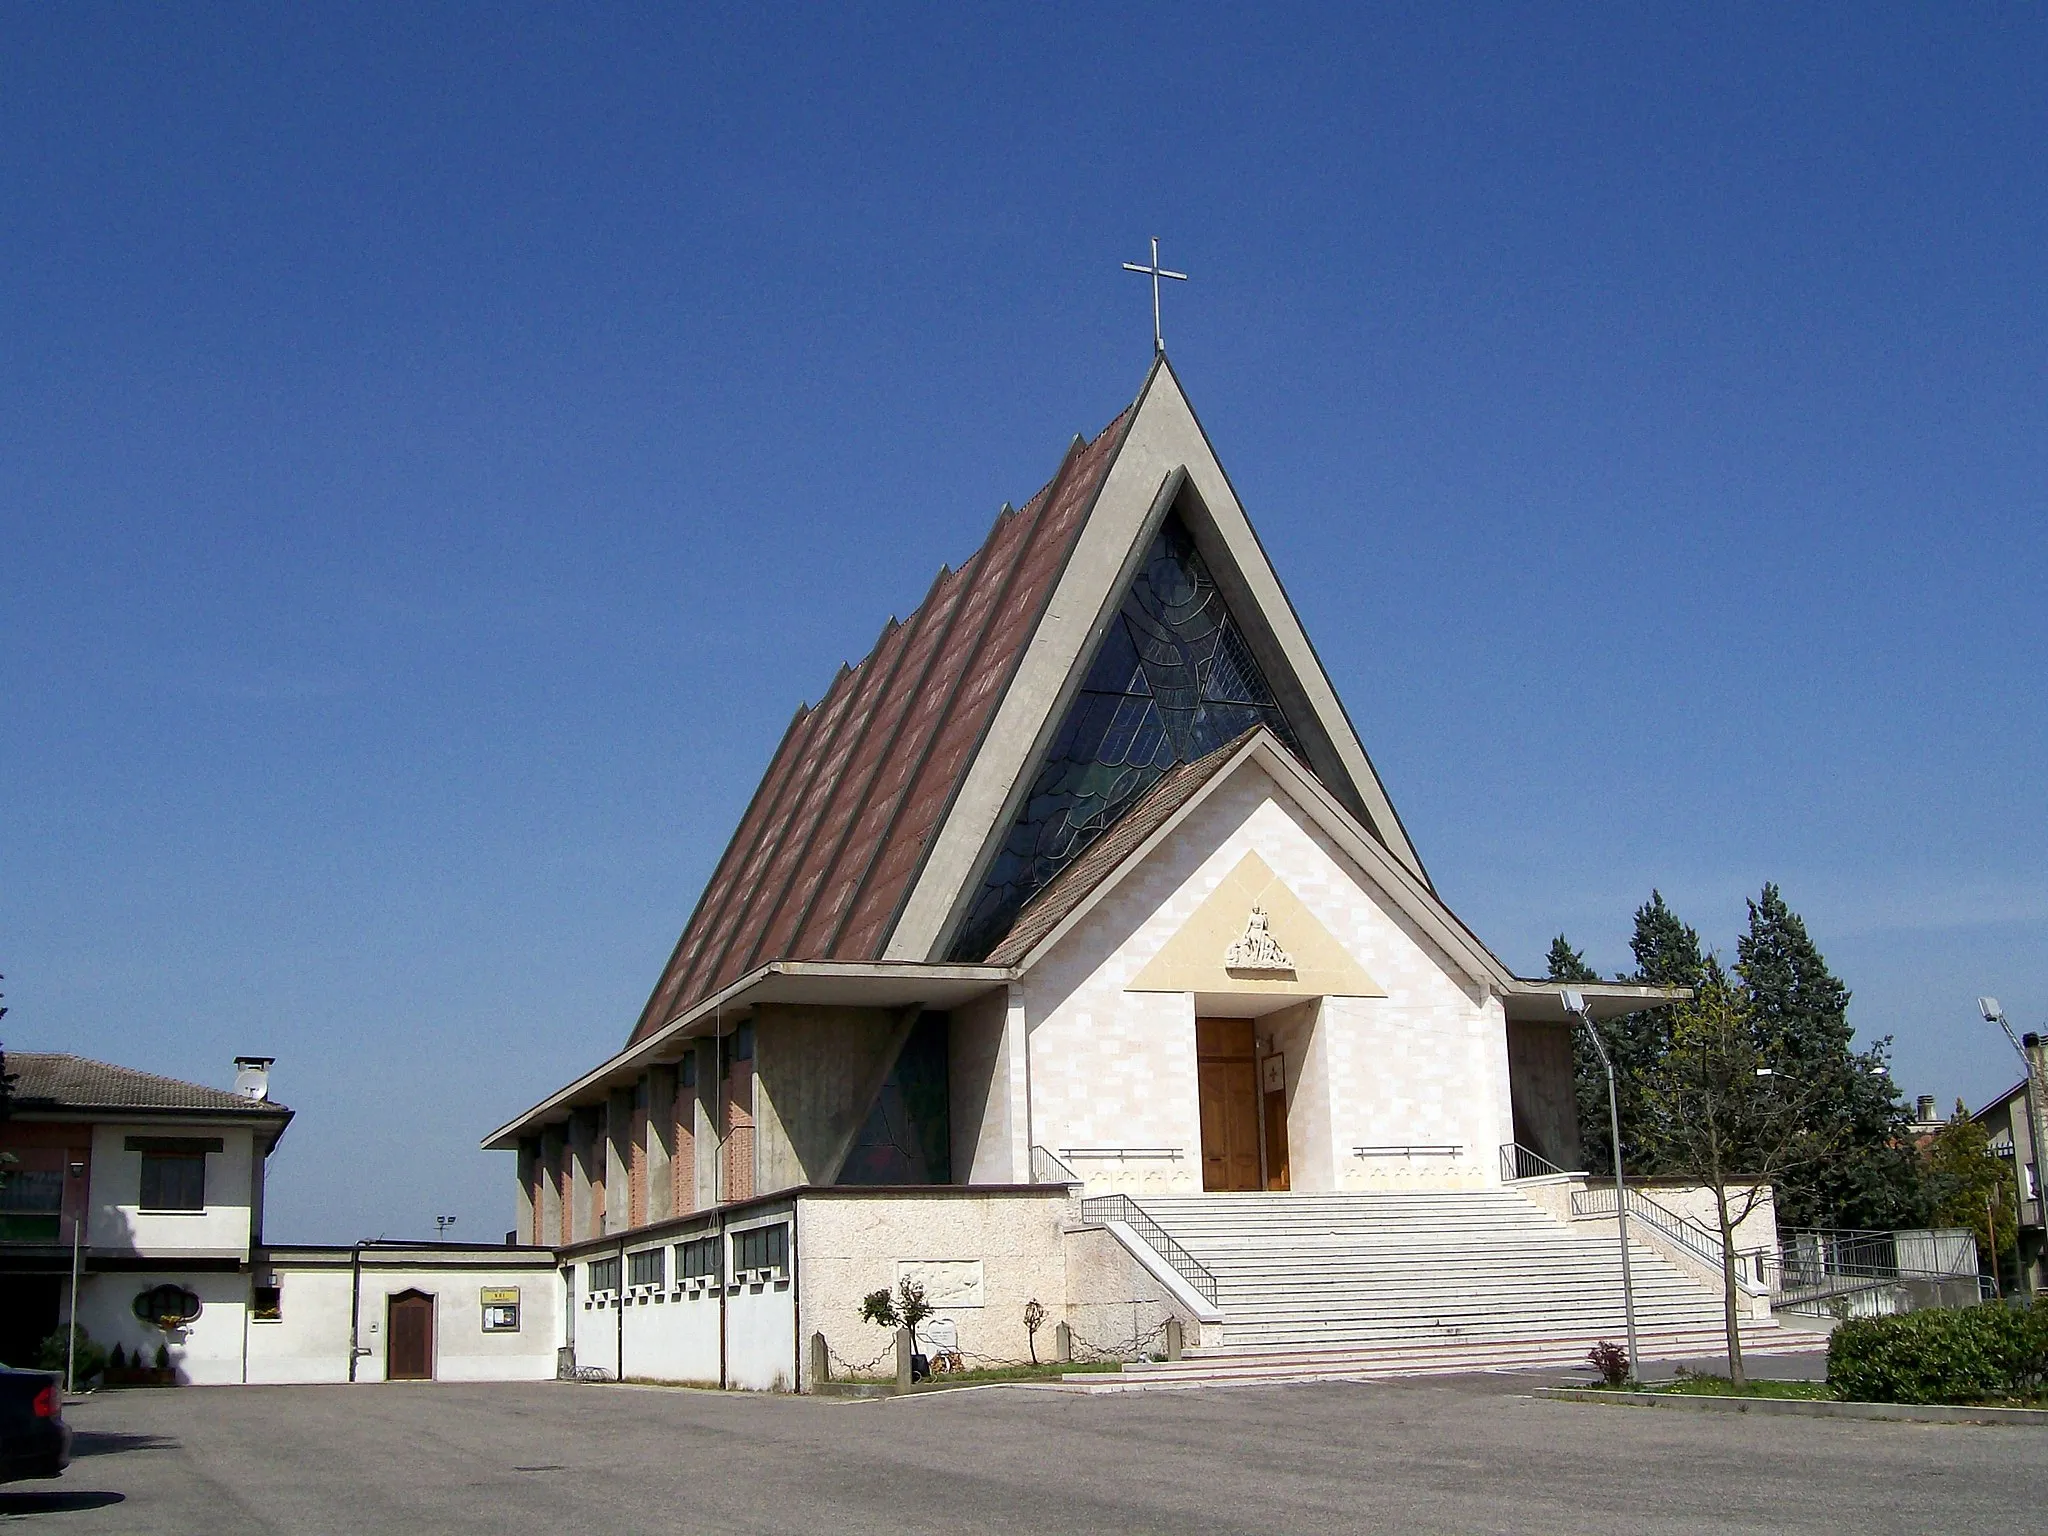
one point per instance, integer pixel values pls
(670, 1335)
(760, 1337)
(462, 1350)
(1426, 1064)
(848, 1246)
(206, 1352)
(118, 1223)
(309, 1342)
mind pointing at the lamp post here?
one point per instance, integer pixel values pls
(77, 1233)
(1575, 1004)
(1993, 1014)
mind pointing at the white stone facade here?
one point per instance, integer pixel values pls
(1113, 1070)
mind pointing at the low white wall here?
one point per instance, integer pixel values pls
(981, 1257)
(309, 1342)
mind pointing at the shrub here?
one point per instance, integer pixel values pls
(1941, 1355)
(118, 1360)
(91, 1356)
(1610, 1360)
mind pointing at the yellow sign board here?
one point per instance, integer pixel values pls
(499, 1295)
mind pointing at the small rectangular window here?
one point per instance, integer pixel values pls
(604, 1275)
(266, 1303)
(762, 1248)
(698, 1259)
(173, 1182)
(644, 1267)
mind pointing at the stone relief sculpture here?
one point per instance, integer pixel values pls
(1258, 950)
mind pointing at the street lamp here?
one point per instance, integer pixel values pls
(1993, 1014)
(1575, 1004)
(77, 1232)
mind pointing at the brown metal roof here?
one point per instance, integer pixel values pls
(1070, 887)
(832, 842)
(48, 1080)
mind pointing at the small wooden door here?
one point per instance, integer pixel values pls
(1229, 1086)
(409, 1325)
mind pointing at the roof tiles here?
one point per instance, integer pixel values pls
(833, 840)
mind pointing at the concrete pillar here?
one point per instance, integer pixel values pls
(661, 1137)
(551, 1148)
(1063, 1344)
(529, 1180)
(821, 1360)
(584, 1174)
(903, 1354)
(618, 1153)
(707, 1123)
(1174, 1340)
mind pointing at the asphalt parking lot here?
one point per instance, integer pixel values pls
(1467, 1455)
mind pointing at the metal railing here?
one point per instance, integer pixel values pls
(1123, 1208)
(1047, 1169)
(1598, 1200)
(1405, 1149)
(1122, 1154)
(1823, 1271)
(1518, 1162)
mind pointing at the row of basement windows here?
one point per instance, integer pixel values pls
(756, 1248)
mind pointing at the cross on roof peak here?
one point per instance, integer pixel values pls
(1156, 272)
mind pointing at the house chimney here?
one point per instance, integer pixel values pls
(1924, 1113)
(252, 1077)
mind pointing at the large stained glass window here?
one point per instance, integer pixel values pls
(1173, 681)
(907, 1137)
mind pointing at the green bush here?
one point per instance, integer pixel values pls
(1942, 1355)
(92, 1356)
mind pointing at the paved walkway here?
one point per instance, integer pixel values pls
(1465, 1455)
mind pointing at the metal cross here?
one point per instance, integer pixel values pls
(1156, 272)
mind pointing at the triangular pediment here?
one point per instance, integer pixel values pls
(1067, 731)
(1252, 937)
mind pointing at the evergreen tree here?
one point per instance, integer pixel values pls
(1568, 964)
(1872, 1179)
(1667, 954)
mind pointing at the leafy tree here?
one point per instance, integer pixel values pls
(1873, 1179)
(1667, 954)
(1966, 1182)
(906, 1309)
(1716, 1108)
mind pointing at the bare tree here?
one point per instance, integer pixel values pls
(1720, 1110)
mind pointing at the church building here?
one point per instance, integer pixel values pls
(1071, 950)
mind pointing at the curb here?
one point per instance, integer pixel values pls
(1802, 1408)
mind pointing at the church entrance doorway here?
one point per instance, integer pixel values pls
(409, 1332)
(1228, 1079)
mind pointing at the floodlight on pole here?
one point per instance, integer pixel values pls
(1994, 1014)
(1575, 1004)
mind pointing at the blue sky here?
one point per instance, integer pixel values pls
(441, 447)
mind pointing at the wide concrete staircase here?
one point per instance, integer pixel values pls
(1350, 1286)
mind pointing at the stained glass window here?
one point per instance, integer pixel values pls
(907, 1137)
(1173, 681)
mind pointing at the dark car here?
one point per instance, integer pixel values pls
(34, 1439)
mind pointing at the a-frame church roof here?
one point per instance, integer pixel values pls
(1123, 622)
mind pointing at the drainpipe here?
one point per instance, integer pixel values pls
(619, 1314)
(355, 1306)
(796, 1298)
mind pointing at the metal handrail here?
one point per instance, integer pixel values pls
(1123, 1208)
(1407, 1149)
(1047, 1169)
(1518, 1162)
(1598, 1200)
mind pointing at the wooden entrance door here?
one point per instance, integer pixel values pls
(409, 1325)
(1229, 1086)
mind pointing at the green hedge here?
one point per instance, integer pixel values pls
(1941, 1355)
